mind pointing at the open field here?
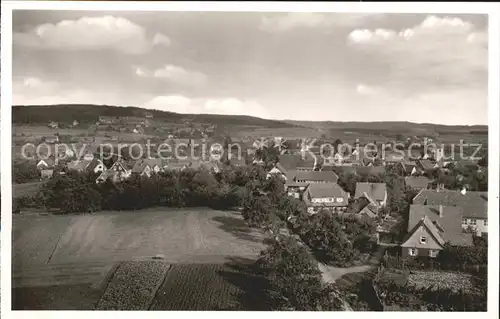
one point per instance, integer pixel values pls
(143, 285)
(25, 189)
(184, 235)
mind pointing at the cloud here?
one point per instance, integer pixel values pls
(225, 106)
(179, 75)
(294, 20)
(365, 89)
(36, 91)
(141, 72)
(436, 53)
(91, 33)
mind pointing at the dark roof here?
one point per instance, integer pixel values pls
(426, 164)
(93, 164)
(317, 176)
(448, 224)
(450, 197)
(326, 190)
(417, 182)
(339, 168)
(475, 211)
(375, 191)
(370, 170)
(292, 161)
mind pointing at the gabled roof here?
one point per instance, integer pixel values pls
(326, 190)
(317, 176)
(450, 197)
(431, 228)
(417, 182)
(49, 161)
(448, 224)
(375, 191)
(93, 164)
(425, 164)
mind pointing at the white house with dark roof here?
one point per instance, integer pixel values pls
(430, 227)
(474, 206)
(329, 196)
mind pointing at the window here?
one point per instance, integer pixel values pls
(485, 222)
(412, 252)
(432, 253)
(473, 222)
(464, 221)
(423, 240)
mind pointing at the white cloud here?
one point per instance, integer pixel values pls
(36, 91)
(161, 39)
(432, 26)
(91, 33)
(141, 72)
(294, 20)
(438, 51)
(225, 106)
(179, 75)
(365, 89)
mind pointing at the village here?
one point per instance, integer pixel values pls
(437, 214)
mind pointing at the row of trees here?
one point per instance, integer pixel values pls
(77, 192)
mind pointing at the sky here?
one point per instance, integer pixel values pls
(420, 68)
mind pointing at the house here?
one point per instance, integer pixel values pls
(426, 165)
(52, 139)
(148, 115)
(279, 170)
(75, 123)
(475, 219)
(430, 227)
(474, 206)
(316, 177)
(96, 166)
(329, 196)
(45, 163)
(46, 173)
(407, 168)
(295, 189)
(376, 193)
(417, 182)
(119, 171)
(142, 168)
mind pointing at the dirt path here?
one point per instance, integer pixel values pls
(331, 273)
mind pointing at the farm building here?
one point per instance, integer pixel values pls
(330, 196)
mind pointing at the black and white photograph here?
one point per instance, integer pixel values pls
(204, 160)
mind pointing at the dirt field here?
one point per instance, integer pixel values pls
(182, 236)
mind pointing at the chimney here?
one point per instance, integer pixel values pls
(441, 211)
